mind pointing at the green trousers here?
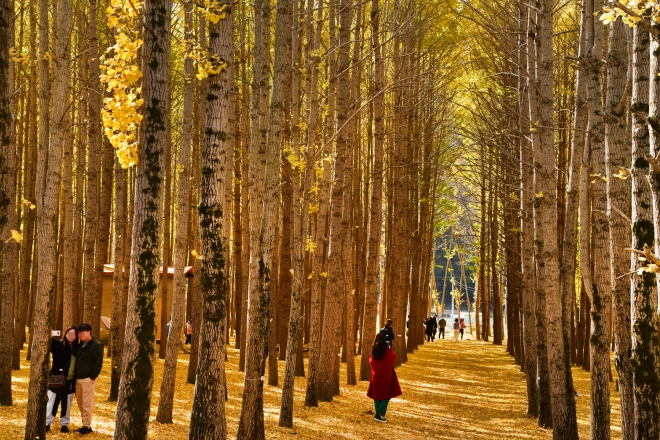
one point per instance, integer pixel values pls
(381, 406)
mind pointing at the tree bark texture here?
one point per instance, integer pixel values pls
(8, 248)
(133, 403)
(167, 386)
(92, 297)
(617, 154)
(208, 411)
(47, 222)
(563, 402)
(644, 293)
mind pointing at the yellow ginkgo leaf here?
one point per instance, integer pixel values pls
(539, 194)
(16, 236)
(196, 255)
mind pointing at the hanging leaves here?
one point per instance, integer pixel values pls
(120, 114)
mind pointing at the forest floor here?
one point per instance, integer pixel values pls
(469, 389)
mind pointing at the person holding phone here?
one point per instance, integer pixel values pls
(64, 351)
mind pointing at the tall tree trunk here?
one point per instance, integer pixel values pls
(47, 210)
(92, 296)
(133, 403)
(167, 386)
(27, 244)
(313, 125)
(208, 410)
(568, 259)
(331, 334)
(600, 286)
(200, 129)
(119, 304)
(299, 205)
(617, 152)
(375, 218)
(563, 402)
(251, 424)
(534, 59)
(9, 249)
(644, 285)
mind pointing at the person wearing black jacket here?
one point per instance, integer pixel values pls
(434, 324)
(64, 362)
(428, 323)
(88, 368)
(389, 333)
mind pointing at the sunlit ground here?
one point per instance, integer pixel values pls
(468, 390)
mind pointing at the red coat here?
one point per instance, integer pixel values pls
(384, 384)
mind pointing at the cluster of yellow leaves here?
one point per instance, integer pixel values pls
(120, 114)
(640, 9)
(598, 176)
(206, 65)
(310, 245)
(18, 58)
(623, 174)
(297, 161)
(215, 10)
(28, 204)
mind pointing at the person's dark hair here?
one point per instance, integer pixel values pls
(73, 346)
(456, 320)
(380, 346)
(84, 327)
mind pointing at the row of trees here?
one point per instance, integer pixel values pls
(305, 189)
(566, 126)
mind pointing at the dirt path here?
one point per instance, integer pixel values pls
(465, 390)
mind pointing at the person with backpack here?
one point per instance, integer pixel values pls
(61, 379)
(384, 385)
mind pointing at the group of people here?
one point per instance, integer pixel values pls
(77, 362)
(384, 384)
(432, 325)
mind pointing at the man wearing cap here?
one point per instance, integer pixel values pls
(388, 331)
(88, 368)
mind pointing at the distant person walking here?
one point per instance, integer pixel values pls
(441, 326)
(389, 333)
(461, 327)
(88, 367)
(64, 364)
(434, 322)
(189, 332)
(428, 323)
(457, 328)
(384, 385)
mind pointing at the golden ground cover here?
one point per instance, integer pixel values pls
(469, 390)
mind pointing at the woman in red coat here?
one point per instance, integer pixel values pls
(384, 384)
